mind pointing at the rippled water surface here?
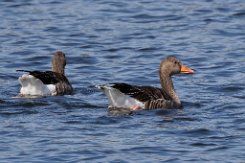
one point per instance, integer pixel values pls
(123, 41)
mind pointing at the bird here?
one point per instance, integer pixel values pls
(124, 96)
(45, 83)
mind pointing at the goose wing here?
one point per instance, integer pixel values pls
(141, 93)
(47, 77)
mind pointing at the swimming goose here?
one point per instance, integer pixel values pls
(43, 83)
(121, 95)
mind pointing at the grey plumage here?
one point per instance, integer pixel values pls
(152, 97)
(56, 76)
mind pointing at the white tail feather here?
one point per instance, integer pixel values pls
(34, 86)
(118, 99)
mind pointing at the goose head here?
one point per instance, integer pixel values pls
(171, 66)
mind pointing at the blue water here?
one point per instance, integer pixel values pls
(123, 41)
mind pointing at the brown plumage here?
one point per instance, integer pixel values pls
(55, 77)
(58, 67)
(150, 97)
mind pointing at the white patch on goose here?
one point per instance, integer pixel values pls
(35, 87)
(119, 99)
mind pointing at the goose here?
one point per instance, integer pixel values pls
(125, 96)
(44, 83)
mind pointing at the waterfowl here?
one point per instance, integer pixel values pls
(122, 95)
(43, 83)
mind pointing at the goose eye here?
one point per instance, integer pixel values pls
(175, 62)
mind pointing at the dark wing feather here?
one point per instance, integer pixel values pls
(47, 77)
(141, 93)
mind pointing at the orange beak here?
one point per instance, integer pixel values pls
(186, 70)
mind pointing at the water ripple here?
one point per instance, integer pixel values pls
(110, 41)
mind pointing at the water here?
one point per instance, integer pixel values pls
(110, 41)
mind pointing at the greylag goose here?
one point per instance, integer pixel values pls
(43, 83)
(121, 95)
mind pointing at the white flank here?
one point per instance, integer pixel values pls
(35, 87)
(119, 99)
